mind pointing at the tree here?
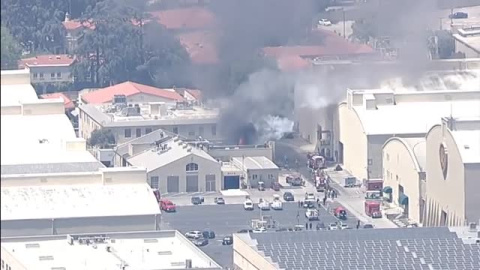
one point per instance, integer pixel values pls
(10, 50)
(102, 138)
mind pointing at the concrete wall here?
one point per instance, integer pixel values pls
(399, 168)
(268, 176)
(10, 261)
(374, 161)
(43, 107)
(448, 194)
(355, 145)
(227, 153)
(21, 76)
(145, 98)
(472, 188)
(469, 52)
(44, 74)
(178, 168)
(247, 258)
(12, 228)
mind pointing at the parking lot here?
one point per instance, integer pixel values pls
(227, 219)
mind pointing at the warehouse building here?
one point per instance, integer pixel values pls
(453, 172)
(149, 250)
(395, 248)
(257, 169)
(368, 118)
(404, 175)
(175, 166)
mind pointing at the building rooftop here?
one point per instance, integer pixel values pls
(106, 95)
(15, 94)
(158, 250)
(185, 18)
(168, 152)
(468, 142)
(66, 100)
(386, 249)
(158, 135)
(49, 60)
(47, 168)
(255, 163)
(470, 37)
(109, 116)
(70, 201)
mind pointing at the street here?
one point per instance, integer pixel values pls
(227, 219)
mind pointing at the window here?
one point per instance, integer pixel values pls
(214, 130)
(191, 167)
(138, 132)
(200, 131)
(35, 75)
(254, 176)
(270, 176)
(59, 75)
(148, 130)
(128, 133)
(175, 130)
(52, 75)
(154, 182)
(41, 75)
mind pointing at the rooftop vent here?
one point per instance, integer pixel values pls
(45, 258)
(33, 245)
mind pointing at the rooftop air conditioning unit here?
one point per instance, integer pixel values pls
(472, 227)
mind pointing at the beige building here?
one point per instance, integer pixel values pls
(368, 118)
(55, 68)
(125, 250)
(127, 123)
(257, 169)
(467, 41)
(404, 175)
(453, 171)
(175, 166)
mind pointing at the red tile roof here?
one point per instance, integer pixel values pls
(66, 101)
(105, 95)
(185, 18)
(197, 94)
(75, 24)
(47, 60)
(292, 63)
(200, 45)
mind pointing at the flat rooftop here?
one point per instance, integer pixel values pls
(160, 250)
(386, 249)
(255, 163)
(15, 94)
(74, 201)
(109, 116)
(468, 142)
(471, 41)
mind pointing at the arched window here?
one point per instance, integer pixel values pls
(191, 167)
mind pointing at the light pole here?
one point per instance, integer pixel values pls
(343, 13)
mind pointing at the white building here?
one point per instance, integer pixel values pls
(404, 175)
(159, 250)
(370, 117)
(467, 41)
(127, 123)
(453, 172)
(257, 169)
(175, 166)
(56, 68)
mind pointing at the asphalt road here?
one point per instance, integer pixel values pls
(227, 219)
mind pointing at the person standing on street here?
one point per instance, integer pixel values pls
(324, 200)
(306, 226)
(310, 226)
(358, 224)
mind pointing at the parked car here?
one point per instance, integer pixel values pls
(263, 204)
(208, 234)
(344, 227)
(277, 205)
(259, 230)
(248, 205)
(261, 186)
(458, 15)
(200, 242)
(324, 22)
(196, 200)
(310, 196)
(227, 240)
(276, 186)
(368, 226)
(333, 227)
(309, 204)
(288, 196)
(194, 234)
(245, 231)
(219, 200)
(320, 226)
(377, 214)
(167, 205)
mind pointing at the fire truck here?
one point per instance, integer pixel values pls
(316, 162)
(320, 180)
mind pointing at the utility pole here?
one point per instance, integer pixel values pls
(343, 12)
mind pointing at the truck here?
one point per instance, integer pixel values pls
(294, 180)
(311, 214)
(167, 206)
(320, 180)
(316, 162)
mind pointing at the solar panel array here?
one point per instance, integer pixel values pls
(386, 249)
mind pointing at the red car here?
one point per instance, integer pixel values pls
(167, 206)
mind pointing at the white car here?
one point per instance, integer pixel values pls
(194, 234)
(248, 205)
(277, 205)
(310, 197)
(324, 22)
(344, 227)
(264, 205)
(333, 227)
(259, 230)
